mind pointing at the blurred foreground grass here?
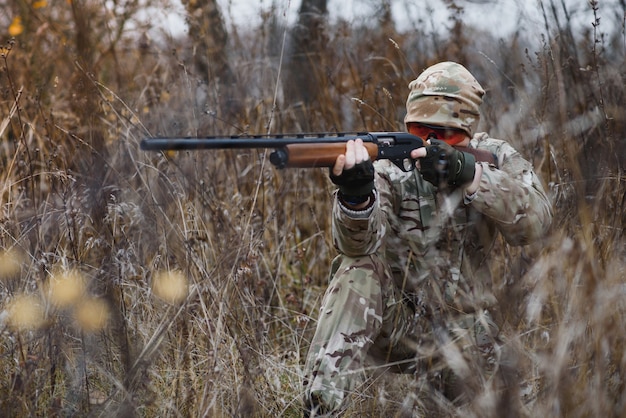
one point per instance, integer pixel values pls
(188, 284)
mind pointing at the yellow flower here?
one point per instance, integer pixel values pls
(40, 4)
(16, 27)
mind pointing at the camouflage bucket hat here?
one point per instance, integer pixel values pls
(445, 94)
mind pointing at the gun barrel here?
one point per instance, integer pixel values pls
(279, 141)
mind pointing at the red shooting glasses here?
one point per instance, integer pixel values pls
(449, 135)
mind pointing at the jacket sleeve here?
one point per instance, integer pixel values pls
(359, 233)
(512, 195)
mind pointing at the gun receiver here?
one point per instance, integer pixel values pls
(303, 150)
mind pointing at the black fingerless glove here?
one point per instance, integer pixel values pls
(355, 184)
(444, 165)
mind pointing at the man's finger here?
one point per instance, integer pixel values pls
(363, 154)
(350, 155)
(418, 153)
(340, 162)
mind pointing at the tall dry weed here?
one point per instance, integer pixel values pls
(200, 274)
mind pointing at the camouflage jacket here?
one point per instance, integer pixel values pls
(436, 241)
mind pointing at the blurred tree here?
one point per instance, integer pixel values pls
(307, 40)
(210, 53)
(384, 15)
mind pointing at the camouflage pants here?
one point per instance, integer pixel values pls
(364, 318)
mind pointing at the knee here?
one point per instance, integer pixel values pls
(353, 268)
(354, 282)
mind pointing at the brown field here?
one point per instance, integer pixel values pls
(187, 284)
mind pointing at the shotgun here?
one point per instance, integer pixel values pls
(310, 149)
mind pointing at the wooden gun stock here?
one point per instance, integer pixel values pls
(321, 155)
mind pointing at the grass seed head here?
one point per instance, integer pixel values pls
(25, 313)
(66, 289)
(10, 263)
(171, 286)
(92, 314)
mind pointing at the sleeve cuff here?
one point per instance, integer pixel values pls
(360, 213)
(469, 198)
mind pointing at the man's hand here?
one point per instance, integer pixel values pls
(353, 172)
(442, 165)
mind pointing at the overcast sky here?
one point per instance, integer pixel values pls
(500, 16)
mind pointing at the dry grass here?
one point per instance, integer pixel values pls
(188, 284)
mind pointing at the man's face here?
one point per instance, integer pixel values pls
(449, 135)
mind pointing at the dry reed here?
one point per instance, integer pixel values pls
(92, 326)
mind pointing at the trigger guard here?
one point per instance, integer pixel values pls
(406, 164)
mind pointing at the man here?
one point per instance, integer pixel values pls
(414, 246)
